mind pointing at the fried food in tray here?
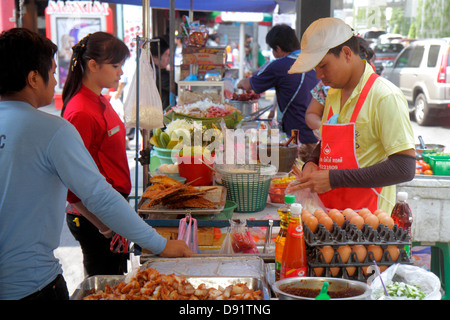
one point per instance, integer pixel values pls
(166, 192)
(149, 284)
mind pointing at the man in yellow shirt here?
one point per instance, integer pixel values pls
(367, 144)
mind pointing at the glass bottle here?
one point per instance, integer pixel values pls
(402, 216)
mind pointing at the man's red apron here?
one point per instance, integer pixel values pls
(338, 152)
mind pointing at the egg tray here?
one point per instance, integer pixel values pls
(349, 234)
(317, 260)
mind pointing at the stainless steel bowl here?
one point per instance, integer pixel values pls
(335, 285)
(245, 107)
(430, 148)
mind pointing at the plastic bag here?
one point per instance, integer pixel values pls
(427, 281)
(150, 105)
(309, 200)
(187, 231)
(238, 239)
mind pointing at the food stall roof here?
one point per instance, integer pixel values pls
(218, 5)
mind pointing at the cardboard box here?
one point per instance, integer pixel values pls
(204, 55)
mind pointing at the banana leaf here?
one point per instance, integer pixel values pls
(231, 120)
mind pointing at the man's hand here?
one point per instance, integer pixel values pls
(176, 248)
(311, 177)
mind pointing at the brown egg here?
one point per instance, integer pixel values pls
(394, 252)
(327, 252)
(335, 271)
(344, 252)
(318, 211)
(364, 212)
(376, 212)
(327, 222)
(366, 271)
(381, 215)
(388, 221)
(318, 271)
(372, 220)
(347, 211)
(361, 252)
(351, 271)
(377, 252)
(337, 217)
(312, 223)
(357, 221)
(306, 213)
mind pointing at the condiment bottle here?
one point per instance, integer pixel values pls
(294, 261)
(284, 212)
(402, 216)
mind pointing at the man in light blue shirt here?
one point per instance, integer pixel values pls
(41, 156)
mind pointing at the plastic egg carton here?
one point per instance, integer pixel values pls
(349, 234)
(317, 260)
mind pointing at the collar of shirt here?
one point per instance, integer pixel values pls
(88, 93)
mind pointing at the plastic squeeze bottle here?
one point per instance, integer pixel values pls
(402, 216)
(280, 240)
(294, 261)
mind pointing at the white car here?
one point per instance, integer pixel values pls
(422, 72)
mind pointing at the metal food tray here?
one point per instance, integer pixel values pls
(237, 266)
(219, 194)
(99, 283)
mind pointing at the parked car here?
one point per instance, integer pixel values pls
(385, 52)
(422, 72)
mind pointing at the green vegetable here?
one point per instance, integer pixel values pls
(401, 289)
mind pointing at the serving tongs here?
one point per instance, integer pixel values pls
(255, 115)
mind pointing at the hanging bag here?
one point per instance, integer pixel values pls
(150, 105)
(187, 231)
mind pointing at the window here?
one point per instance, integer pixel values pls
(433, 56)
(403, 59)
(416, 57)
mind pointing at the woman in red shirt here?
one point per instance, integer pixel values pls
(96, 64)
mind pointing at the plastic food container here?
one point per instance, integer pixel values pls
(440, 165)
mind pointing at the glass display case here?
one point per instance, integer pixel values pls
(193, 91)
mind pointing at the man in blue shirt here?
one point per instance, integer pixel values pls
(41, 156)
(293, 91)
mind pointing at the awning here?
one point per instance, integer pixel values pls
(218, 5)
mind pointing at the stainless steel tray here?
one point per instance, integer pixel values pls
(99, 283)
(219, 194)
(236, 266)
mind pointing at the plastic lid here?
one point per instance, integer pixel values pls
(289, 198)
(402, 196)
(296, 208)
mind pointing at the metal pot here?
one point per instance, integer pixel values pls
(335, 285)
(245, 107)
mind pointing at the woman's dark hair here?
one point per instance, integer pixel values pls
(100, 46)
(283, 36)
(23, 51)
(357, 45)
(163, 46)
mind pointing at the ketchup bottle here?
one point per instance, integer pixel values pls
(294, 263)
(402, 215)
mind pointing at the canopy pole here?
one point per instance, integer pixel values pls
(145, 133)
(241, 50)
